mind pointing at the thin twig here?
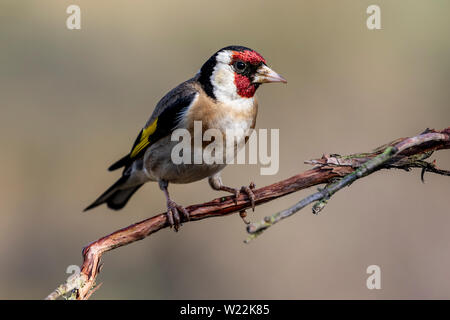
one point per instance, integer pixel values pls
(372, 164)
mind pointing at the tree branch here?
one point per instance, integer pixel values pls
(371, 164)
(334, 170)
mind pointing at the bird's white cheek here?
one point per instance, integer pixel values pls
(221, 77)
(224, 86)
(224, 80)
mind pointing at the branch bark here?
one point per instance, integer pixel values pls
(334, 170)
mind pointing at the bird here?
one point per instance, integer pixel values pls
(222, 96)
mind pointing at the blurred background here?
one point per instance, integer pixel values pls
(73, 101)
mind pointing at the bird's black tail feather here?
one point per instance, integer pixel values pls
(123, 162)
(115, 197)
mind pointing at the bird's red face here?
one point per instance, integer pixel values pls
(241, 60)
(235, 73)
(250, 70)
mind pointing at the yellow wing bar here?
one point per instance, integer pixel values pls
(144, 140)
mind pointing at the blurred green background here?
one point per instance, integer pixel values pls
(72, 102)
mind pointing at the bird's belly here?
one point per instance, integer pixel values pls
(159, 164)
(190, 172)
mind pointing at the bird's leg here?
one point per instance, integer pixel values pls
(215, 182)
(173, 215)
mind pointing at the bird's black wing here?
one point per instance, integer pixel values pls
(163, 121)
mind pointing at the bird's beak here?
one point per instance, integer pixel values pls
(266, 75)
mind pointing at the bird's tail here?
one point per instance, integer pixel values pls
(116, 197)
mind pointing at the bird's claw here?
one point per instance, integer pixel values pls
(243, 215)
(237, 192)
(173, 214)
(249, 192)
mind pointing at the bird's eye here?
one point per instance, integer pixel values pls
(239, 66)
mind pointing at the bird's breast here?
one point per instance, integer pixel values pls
(239, 116)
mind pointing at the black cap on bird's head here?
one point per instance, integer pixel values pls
(235, 72)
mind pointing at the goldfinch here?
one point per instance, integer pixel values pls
(222, 96)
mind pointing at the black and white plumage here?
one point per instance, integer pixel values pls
(222, 96)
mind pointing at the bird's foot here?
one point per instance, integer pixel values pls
(247, 190)
(173, 214)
